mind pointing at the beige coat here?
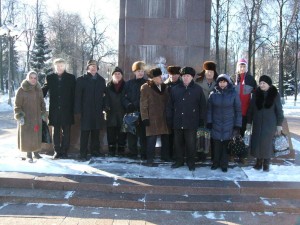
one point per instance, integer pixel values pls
(29, 103)
(153, 104)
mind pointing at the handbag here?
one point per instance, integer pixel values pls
(46, 137)
(281, 145)
(129, 122)
(237, 146)
(203, 140)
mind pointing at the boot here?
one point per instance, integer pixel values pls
(112, 150)
(266, 165)
(37, 155)
(121, 150)
(258, 165)
(29, 157)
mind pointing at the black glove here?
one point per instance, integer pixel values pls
(146, 122)
(236, 131)
(209, 126)
(130, 108)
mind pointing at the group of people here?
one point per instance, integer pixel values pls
(172, 110)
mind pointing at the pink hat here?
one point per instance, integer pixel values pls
(241, 61)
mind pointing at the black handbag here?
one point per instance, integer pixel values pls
(46, 137)
(237, 147)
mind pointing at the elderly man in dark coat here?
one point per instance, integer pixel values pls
(154, 97)
(89, 103)
(61, 87)
(185, 113)
(266, 115)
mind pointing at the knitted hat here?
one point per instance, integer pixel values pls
(187, 70)
(266, 79)
(138, 65)
(117, 69)
(223, 77)
(241, 62)
(156, 72)
(173, 70)
(91, 62)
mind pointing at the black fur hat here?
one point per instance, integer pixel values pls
(266, 79)
(187, 70)
(155, 72)
(173, 70)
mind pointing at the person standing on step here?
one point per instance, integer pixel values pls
(29, 111)
(185, 114)
(266, 115)
(61, 88)
(114, 113)
(154, 97)
(207, 81)
(172, 81)
(224, 119)
(131, 102)
(245, 86)
(89, 104)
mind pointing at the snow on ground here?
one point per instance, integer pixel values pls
(115, 167)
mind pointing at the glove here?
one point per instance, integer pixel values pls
(130, 108)
(146, 122)
(21, 121)
(209, 126)
(278, 131)
(236, 131)
(249, 126)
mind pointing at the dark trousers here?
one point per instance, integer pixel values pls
(84, 140)
(244, 124)
(133, 140)
(164, 151)
(61, 138)
(116, 137)
(220, 153)
(185, 142)
(171, 146)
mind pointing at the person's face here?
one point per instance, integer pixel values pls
(60, 68)
(139, 74)
(92, 69)
(157, 80)
(264, 86)
(174, 77)
(209, 74)
(117, 76)
(242, 68)
(223, 84)
(186, 79)
(32, 79)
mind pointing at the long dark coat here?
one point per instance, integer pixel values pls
(224, 112)
(186, 106)
(29, 104)
(61, 107)
(153, 105)
(265, 113)
(115, 110)
(89, 101)
(132, 93)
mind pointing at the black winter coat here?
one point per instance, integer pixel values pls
(186, 106)
(89, 101)
(114, 108)
(224, 112)
(132, 93)
(265, 113)
(61, 93)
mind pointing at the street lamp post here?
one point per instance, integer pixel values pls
(10, 32)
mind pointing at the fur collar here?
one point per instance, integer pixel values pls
(26, 86)
(155, 88)
(265, 100)
(111, 86)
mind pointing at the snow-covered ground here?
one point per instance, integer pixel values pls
(120, 167)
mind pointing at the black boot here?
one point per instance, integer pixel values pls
(112, 150)
(258, 165)
(266, 165)
(121, 150)
(37, 155)
(29, 157)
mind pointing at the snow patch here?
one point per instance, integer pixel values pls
(69, 194)
(3, 205)
(265, 201)
(196, 215)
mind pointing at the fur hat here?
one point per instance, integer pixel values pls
(117, 69)
(224, 77)
(173, 70)
(91, 62)
(208, 65)
(241, 62)
(266, 79)
(138, 65)
(187, 70)
(155, 72)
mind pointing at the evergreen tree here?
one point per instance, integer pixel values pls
(40, 54)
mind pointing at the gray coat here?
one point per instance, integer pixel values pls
(265, 113)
